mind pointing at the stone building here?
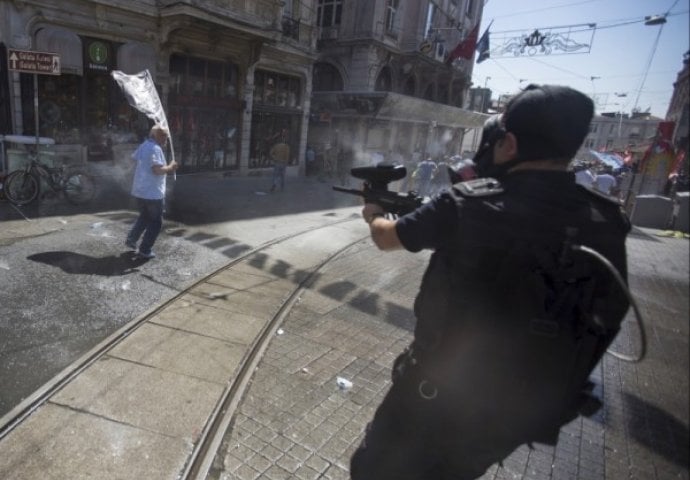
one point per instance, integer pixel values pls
(679, 110)
(617, 131)
(231, 74)
(384, 86)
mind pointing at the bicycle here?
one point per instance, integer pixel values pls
(23, 186)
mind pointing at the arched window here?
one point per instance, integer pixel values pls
(409, 86)
(429, 92)
(443, 94)
(326, 78)
(384, 81)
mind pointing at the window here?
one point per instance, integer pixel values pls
(202, 78)
(391, 11)
(326, 78)
(469, 8)
(409, 86)
(384, 80)
(429, 92)
(329, 12)
(275, 89)
(59, 106)
(430, 19)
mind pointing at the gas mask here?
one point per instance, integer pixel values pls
(484, 158)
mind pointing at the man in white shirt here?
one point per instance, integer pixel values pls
(585, 177)
(148, 187)
(605, 182)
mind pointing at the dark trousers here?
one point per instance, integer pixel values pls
(149, 223)
(413, 438)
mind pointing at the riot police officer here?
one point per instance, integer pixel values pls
(512, 316)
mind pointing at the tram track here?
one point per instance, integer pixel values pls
(205, 450)
(218, 418)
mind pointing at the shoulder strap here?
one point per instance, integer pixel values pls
(479, 187)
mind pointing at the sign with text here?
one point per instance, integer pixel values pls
(27, 61)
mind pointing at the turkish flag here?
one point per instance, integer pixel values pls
(465, 48)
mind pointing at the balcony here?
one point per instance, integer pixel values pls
(290, 28)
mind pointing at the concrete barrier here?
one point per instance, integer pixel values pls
(652, 211)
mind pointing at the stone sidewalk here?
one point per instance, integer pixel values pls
(295, 422)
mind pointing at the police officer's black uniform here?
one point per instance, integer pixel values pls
(511, 320)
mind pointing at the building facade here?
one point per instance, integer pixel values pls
(384, 86)
(619, 131)
(232, 75)
(679, 113)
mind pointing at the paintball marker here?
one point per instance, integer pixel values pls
(376, 180)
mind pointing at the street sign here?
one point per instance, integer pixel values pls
(27, 61)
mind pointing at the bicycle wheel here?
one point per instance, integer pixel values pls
(79, 188)
(21, 188)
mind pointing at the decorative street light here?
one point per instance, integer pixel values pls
(651, 20)
(655, 19)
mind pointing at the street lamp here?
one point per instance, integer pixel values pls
(655, 20)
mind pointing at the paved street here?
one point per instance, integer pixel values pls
(128, 414)
(296, 423)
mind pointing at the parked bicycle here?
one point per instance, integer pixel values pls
(23, 186)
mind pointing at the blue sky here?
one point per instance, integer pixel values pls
(619, 55)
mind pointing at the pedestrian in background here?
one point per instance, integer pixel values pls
(584, 176)
(280, 155)
(511, 318)
(605, 182)
(310, 161)
(148, 187)
(423, 175)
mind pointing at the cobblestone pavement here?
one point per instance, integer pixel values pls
(296, 423)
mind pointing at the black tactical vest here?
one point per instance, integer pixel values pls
(510, 320)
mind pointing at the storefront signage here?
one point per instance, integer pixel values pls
(28, 61)
(97, 56)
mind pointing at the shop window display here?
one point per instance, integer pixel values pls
(276, 108)
(267, 128)
(81, 110)
(204, 113)
(276, 89)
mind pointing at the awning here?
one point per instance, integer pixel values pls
(394, 107)
(611, 159)
(134, 57)
(65, 43)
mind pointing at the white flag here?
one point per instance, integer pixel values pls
(141, 94)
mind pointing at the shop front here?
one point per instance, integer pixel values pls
(82, 109)
(204, 113)
(276, 113)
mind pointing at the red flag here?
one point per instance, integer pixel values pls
(465, 48)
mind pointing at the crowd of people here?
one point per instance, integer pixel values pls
(600, 177)
(429, 175)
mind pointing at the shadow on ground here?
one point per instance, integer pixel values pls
(77, 263)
